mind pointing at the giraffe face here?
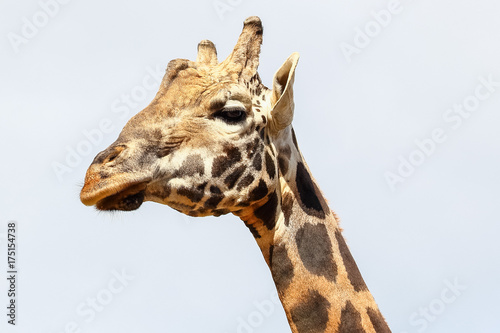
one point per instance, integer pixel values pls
(203, 146)
(199, 147)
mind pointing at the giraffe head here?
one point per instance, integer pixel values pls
(204, 144)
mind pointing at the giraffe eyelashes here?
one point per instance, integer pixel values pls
(231, 115)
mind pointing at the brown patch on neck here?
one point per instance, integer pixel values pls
(350, 265)
(315, 250)
(378, 321)
(350, 320)
(311, 314)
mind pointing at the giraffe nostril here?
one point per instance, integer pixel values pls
(112, 157)
(113, 154)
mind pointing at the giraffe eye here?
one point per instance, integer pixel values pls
(231, 116)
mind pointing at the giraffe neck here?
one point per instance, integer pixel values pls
(317, 279)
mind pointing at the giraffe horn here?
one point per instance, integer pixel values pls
(207, 53)
(244, 59)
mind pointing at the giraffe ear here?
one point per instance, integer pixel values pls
(282, 94)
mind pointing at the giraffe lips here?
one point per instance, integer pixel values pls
(116, 195)
(127, 199)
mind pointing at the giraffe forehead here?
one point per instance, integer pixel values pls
(185, 102)
(192, 80)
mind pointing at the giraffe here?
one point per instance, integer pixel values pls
(214, 141)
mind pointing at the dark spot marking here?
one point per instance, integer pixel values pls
(281, 267)
(267, 212)
(294, 139)
(264, 97)
(245, 182)
(147, 157)
(253, 230)
(258, 89)
(162, 192)
(257, 102)
(270, 168)
(215, 190)
(219, 212)
(282, 165)
(202, 186)
(378, 321)
(192, 213)
(163, 151)
(180, 207)
(264, 119)
(157, 134)
(259, 192)
(193, 164)
(252, 147)
(193, 194)
(307, 192)
(103, 174)
(233, 177)
(213, 201)
(350, 265)
(257, 162)
(311, 315)
(222, 163)
(262, 132)
(233, 153)
(315, 250)
(350, 320)
(286, 207)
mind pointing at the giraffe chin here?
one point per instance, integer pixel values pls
(127, 200)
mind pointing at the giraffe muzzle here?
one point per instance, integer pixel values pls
(117, 194)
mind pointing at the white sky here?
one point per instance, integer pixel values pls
(355, 118)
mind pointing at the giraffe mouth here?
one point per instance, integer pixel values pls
(128, 195)
(129, 198)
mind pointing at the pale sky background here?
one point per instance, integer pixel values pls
(357, 117)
